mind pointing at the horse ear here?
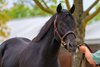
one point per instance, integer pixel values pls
(59, 8)
(72, 9)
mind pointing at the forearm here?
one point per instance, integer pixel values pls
(87, 53)
(89, 58)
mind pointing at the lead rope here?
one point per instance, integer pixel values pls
(82, 58)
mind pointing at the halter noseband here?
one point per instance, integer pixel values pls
(61, 37)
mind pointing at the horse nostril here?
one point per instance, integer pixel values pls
(70, 45)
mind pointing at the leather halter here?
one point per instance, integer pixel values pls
(62, 37)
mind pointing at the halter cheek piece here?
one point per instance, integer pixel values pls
(61, 37)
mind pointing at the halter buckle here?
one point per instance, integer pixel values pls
(63, 43)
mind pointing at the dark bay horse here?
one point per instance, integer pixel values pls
(43, 50)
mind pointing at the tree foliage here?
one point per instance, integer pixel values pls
(4, 30)
(19, 10)
(97, 18)
(22, 11)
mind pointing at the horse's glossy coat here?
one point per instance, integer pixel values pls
(43, 50)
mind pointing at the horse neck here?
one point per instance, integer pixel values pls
(49, 46)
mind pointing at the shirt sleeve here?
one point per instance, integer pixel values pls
(96, 57)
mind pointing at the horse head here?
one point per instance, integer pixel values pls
(64, 26)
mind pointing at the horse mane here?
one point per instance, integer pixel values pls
(44, 29)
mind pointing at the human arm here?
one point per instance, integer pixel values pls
(88, 54)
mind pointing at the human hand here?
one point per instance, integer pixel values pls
(82, 48)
